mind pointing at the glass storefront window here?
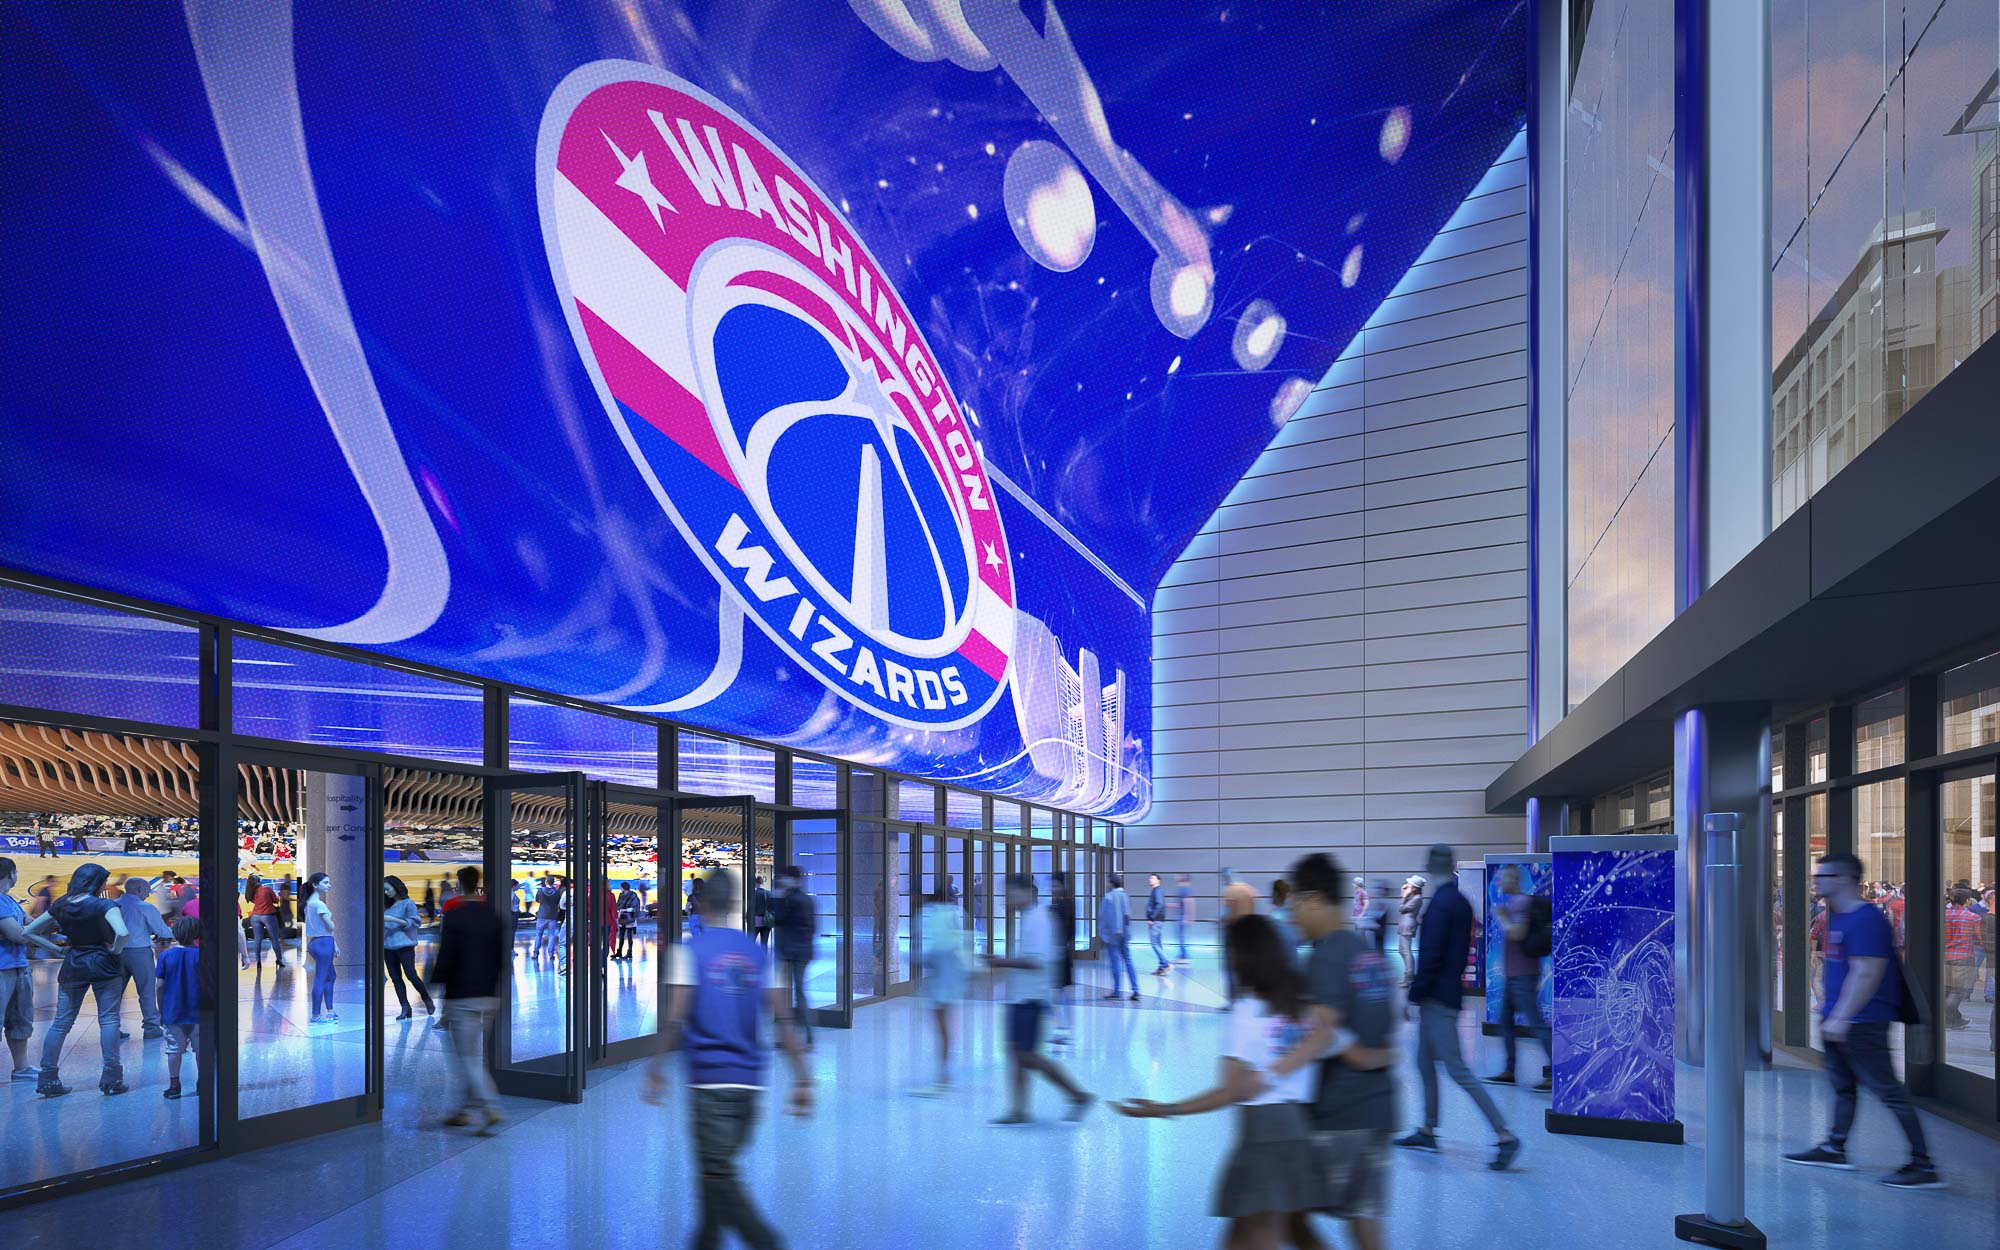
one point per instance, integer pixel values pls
(306, 696)
(551, 737)
(1970, 695)
(50, 826)
(1042, 822)
(1878, 840)
(1006, 816)
(1777, 759)
(1878, 732)
(815, 783)
(963, 810)
(1882, 219)
(69, 656)
(1816, 741)
(1966, 924)
(725, 766)
(917, 801)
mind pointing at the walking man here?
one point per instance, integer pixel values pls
(1521, 992)
(795, 919)
(1156, 917)
(1436, 996)
(1354, 1105)
(1863, 996)
(1961, 956)
(720, 986)
(548, 915)
(1031, 974)
(1114, 929)
(473, 952)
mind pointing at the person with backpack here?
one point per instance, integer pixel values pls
(1527, 921)
(1865, 993)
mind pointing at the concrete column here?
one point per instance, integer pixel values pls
(1722, 763)
(336, 843)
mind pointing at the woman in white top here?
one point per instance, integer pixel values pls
(320, 945)
(1275, 1168)
(947, 964)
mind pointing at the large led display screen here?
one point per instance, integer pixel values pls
(837, 374)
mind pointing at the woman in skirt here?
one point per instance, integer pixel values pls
(1275, 1169)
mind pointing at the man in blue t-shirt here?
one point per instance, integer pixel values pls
(1863, 996)
(721, 985)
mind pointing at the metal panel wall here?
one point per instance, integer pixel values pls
(1340, 655)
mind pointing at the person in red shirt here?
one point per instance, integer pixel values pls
(1961, 957)
(264, 922)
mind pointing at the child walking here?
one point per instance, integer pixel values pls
(179, 975)
(1275, 1168)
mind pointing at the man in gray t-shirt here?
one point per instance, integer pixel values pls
(1354, 1109)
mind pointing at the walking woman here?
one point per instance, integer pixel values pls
(320, 945)
(947, 965)
(1275, 1168)
(400, 924)
(90, 965)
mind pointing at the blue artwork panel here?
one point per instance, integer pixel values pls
(1614, 984)
(1536, 878)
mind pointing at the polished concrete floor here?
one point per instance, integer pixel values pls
(877, 1167)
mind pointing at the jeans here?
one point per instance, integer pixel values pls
(466, 1021)
(139, 971)
(69, 1002)
(1863, 1059)
(1437, 1042)
(401, 963)
(1180, 935)
(262, 927)
(321, 949)
(1406, 951)
(795, 975)
(1523, 994)
(721, 1122)
(549, 931)
(1118, 950)
(1154, 928)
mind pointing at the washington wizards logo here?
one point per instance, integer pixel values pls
(777, 396)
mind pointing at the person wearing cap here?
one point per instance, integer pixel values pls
(1436, 995)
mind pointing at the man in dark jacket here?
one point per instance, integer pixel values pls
(474, 949)
(793, 917)
(1443, 939)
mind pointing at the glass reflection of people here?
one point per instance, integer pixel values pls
(144, 927)
(90, 965)
(400, 926)
(18, 935)
(320, 944)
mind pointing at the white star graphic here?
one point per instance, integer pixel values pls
(992, 556)
(635, 179)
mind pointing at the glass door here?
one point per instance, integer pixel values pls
(718, 832)
(634, 863)
(813, 845)
(535, 836)
(306, 879)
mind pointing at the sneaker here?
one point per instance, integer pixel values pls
(1500, 1078)
(171, 1091)
(936, 1089)
(153, 1035)
(1421, 1139)
(457, 1119)
(27, 1074)
(1135, 996)
(1113, 994)
(1544, 1086)
(493, 1119)
(1079, 1108)
(1914, 1176)
(1012, 1119)
(1504, 1153)
(1821, 1156)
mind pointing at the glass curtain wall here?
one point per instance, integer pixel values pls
(1619, 217)
(1883, 219)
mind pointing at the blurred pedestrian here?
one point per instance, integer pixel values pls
(1436, 996)
(1407, 914)
(1274, 1172)
(1521, 967)
(795, 923)
(474, 952)
(1183, 912)
(1114, 933)
(1031, 972)
(720, 987)
(1156, 918)
(947, 967)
